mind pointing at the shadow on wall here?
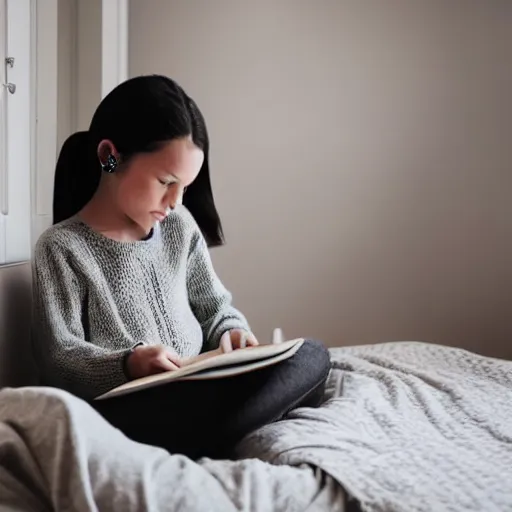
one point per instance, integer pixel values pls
(16, 364)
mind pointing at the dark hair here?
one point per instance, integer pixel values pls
(137, 116)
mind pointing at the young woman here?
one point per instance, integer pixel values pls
(123, 282)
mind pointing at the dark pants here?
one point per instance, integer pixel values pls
(207, 418)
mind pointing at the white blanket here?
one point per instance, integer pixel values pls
(58, 454)
(407, 427)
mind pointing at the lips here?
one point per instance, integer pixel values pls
(159, 216)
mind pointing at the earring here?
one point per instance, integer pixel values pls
(110, 165)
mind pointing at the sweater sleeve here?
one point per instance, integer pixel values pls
(209, 299)
(64, 356)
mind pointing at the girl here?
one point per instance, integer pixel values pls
(126, 263)
(123, 283)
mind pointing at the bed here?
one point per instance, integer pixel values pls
(404, 427)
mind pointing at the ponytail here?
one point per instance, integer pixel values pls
(77, 176)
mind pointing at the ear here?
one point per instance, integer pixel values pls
(105, 148)
(108, 156)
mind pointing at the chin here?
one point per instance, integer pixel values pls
(144, 224)
(149, 226)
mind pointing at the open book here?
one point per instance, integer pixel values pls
(214, 365)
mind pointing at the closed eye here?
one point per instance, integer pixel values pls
(166, 183)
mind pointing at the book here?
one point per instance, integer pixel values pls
(213, 365)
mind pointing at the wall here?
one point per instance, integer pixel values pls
(92, 59)
(361, 154)
(89, 64)
(67, 71)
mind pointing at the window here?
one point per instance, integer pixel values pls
(15, 131)
(67, 55)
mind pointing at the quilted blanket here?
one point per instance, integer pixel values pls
(406, 427)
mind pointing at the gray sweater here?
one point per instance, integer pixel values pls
(95, 298)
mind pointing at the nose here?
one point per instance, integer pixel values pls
(173, 197)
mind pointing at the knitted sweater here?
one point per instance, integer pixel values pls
(95, 298)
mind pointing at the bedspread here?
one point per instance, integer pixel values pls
(406, 427)
(58, 454)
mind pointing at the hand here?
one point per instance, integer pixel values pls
(150, 359)
(236, 339)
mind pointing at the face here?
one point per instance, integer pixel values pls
(150, 183)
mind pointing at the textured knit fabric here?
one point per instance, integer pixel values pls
(95, 298)
(407, 427)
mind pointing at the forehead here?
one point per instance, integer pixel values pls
(180, 158)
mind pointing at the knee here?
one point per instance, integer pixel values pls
(318, 354)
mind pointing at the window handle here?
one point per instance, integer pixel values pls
(10, 87)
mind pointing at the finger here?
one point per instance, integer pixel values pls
(242, 338)
(163, 364)
(225, 342)
(252, 341)
(173, 357)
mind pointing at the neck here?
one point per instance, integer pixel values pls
(101, 214)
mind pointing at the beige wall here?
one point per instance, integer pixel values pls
(92, 58)
(370, 143)
(67, 70)
(89, 62)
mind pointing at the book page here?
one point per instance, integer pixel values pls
(230, 371)
(205, 362)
